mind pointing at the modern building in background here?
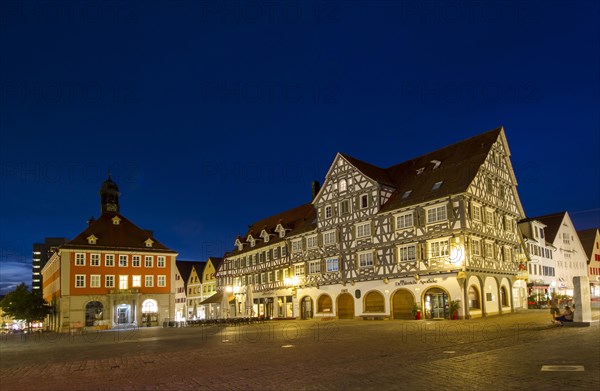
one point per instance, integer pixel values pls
(377, 242)
(113, 274)
(41, 254)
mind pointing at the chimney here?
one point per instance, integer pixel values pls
(315, 189)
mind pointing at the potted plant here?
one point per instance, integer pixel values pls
(416, 311)
(453, 307)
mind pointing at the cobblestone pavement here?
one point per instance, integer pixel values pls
(502, 352)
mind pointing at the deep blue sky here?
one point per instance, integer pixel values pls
(214, 115)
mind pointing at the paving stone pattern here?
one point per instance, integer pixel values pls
(495, 353)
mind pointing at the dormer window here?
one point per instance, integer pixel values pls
(436, 185)
(420, 170)
(280, 230)
(436, 163)
(92, 239)
(264, 235)
(149, 242)
(239, 244)
(343, 186)
(251, 240)
(116, 220)
(406, 194)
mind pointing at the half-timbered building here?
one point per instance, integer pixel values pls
(381, 242)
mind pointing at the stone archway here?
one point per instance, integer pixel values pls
(324, 304)
(94, 311)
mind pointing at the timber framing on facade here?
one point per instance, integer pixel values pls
(381, 242)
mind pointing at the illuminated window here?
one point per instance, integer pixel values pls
(124, 282)
(299, 270)
(95, 281)
(136, 281)
(332, 265)
(343, 186)
(439, 248)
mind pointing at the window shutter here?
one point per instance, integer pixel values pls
(322, 262)
(450, 210)
(421, 217)
(375, 258)
(392, 223)
(470, 210)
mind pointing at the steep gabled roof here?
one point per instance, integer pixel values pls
(199, 268)
(587, 237)
(376, 173)
(553, 222)
(296, 220)
(184, 268)
(216, 262)
(125, 236)
(455, 165)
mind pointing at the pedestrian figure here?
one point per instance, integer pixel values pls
(567, 316)
(554, 306)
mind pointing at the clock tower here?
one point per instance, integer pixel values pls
(109, 196)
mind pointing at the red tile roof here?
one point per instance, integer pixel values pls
(124, 236)
(552, 222)
(587, 237)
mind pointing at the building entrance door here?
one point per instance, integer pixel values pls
(402, 304)
(345, 306)
(306, 308)
(436, 304)
(123, 311)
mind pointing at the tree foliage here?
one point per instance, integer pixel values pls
(24, 304)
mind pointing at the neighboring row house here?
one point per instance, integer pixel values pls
(568, 256)
(113, 274)
(375, 242)
(590, 240)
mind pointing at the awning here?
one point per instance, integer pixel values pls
(217, 298)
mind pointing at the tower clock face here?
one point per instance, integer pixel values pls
(111, 207)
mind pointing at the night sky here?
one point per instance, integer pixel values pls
(211, 115)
